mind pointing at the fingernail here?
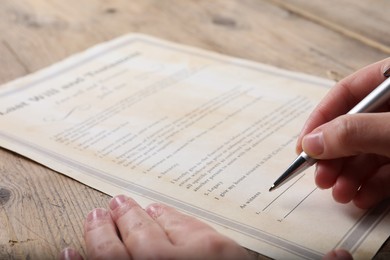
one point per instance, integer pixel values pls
(387, 73)
(117, 201)
(96, 214)
(313, 144)
(154, 210)
(69, 254)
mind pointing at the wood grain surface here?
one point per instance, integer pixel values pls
(42, 211)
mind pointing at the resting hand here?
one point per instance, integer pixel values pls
(158, 232)
(126, 231)
(354, 150)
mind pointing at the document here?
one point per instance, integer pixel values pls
(200, 131)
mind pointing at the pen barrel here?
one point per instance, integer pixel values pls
(310, 161)
(373, 100)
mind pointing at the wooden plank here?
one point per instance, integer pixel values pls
(42, 212)
(364, 20)
(249, 29)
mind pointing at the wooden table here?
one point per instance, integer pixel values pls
(42, 211)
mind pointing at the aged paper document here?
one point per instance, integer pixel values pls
(205, 133)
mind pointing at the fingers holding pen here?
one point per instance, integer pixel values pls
(345, 176)
(362, 179)
(353, 153)
(350, 135)
(344, 95)
(375, 189)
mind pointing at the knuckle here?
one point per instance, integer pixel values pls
(155, 210)
(347, 131)
(136, 229)
(141, 226)
(103, 250)
(105, 246)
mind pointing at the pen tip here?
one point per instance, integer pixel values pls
(272, 187)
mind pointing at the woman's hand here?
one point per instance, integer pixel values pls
(127, 231)
(354, 150)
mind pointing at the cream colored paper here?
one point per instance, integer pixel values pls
(200, 131)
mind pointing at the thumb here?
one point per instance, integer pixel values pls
(350, 135)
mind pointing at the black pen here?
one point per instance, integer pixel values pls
(372, 101)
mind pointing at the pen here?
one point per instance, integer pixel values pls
(377, 97)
